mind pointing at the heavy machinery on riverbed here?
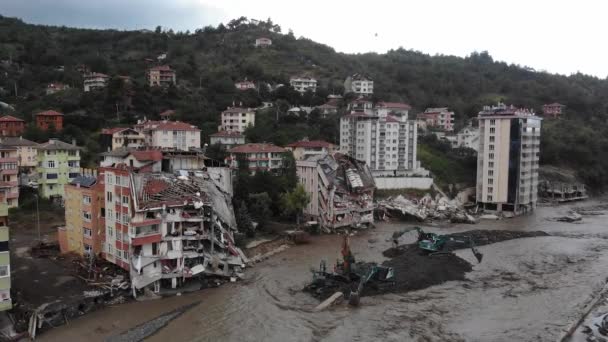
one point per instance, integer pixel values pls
(435, 244)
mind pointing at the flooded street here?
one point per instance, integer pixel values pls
(524, 290)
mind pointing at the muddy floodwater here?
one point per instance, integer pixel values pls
(528, 289)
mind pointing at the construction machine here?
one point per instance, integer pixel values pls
(436, 244)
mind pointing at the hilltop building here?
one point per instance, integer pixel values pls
(49, 118)
(161, 76)
(259, 157)
(170, 134)
(95, 81)
(27, 153)
(359, 84)
(117, 137)
(361, 105)
(440, 118)
(508, 158)
(9, 173)
(341, 190)
(303, 83)
(236, 119)
(227, 139)
(468, 137)
(244, 85)
(263, 42)
(53, 88)
(11, 126)
(305, 148)
(167, 115)
(553, 110)
(58, 165)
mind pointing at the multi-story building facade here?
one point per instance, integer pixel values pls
(94, 81)
(11, 126)
(508, 159)
(227, 139)
(117, 137)
(48, 119)
(58, 165)
(9, 173)
(259, 157)
(236, 119)
(170, 134)
(27, 156)
(359, 84)
(440, 118)
(387, 144)
(5, 270)
(468, 137)
(361, 105)
(263, 42)
(392, 108)
(341, 190)
(553, 110)
(306, 148)
(84, 216)
(327, 109)
(162, 76)
(303, 83)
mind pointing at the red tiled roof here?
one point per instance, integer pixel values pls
(238, 110)
(162, 68)
(356, 115)
(10, 118)
(49, 113)
(252, 148)
(397, 105)
(390, 118)
(147, 155)
(226, 134)
(312, 143)
(168, 112)
(154, 186)
(112, 130)
(168, 126)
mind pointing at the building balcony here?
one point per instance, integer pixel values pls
(146, 239)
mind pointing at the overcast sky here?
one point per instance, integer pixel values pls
(557, 36)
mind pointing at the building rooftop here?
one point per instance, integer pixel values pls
(96, 74)
(17, 141)
(7, 147)
(113, 130)
(161, 68)
(147, 155)
(436, 110)
(344, 172)
(227, 134)
(49, 113)
(327, 105)
(55, 144)
(253, 148)
(393, 105)
(10, 118)
(168, 112)
(238, 110)
(360, 77)
(84, 181)
(555, 104)
(503, 110)
(167, 126)
(311, 144)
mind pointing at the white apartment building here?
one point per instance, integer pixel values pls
(386, 143)
(468, 137)
(227, 139)
(440, 118)
(359, 84)
(508, 159)
(263, 42)
(95, 80)
(236, 119)
(170, 134)
(303, 83)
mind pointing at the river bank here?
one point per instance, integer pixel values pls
(518, 293)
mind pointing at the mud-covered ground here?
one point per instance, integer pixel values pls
(526, 289)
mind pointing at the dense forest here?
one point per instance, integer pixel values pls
(209, 60)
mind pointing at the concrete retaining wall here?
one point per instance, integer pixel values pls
(423, 183)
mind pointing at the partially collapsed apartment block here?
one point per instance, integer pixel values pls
(341, 190)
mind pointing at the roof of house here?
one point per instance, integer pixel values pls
(311, 143)
(49, 113)
(327, 106)
(227, 134)
(360, 77)
(96, 74)
(168, 112)
(55, 144)
(393, 105)
(18, 141)
(263, 38)
(555, 104)
(252, 148)
(168, 126)
(10, 118)
(147, 155)
(84, 181)
(238, 110)
(162, 68)
(113, 130)
(390, 118)
(119, 152)
(436, 110)
(6, 147)
(303, 78)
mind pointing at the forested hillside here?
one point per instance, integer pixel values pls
(209, 60)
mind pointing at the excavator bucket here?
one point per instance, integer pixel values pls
(478, 256)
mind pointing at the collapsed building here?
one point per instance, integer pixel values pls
(341, 191)
(182, 227)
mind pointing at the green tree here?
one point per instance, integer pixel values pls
(259, 207)
(295, 201)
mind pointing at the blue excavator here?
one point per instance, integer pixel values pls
(435, 244)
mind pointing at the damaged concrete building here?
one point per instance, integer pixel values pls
(167, 229)
(341, 190)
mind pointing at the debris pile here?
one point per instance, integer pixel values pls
(424, 209)
(414, 269)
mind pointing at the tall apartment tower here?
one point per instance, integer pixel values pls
(507, 162)
(386, 142)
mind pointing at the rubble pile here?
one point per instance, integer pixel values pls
(425, 209)
(415, 269)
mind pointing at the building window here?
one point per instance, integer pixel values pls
(73, 174)
(110, 231)
(490, 173)
(118, 235)
(125, 200)
(492, 122)
(73, 163)
(50, 163)
(491, 156)
(492, 130)
(110, 215)
(490, 189)
(492, 139)
(87, 232)
(51, 176)
(490, 198)
(491, 164)
(125, 218)
(109, 196)
(491, 147)
(72, 153)
(490, 181)
(86, 216)
(88, 249)
(4, 271)
(86, 199)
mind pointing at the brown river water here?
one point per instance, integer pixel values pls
(524, 290)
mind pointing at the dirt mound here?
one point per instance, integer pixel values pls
(414, 269)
